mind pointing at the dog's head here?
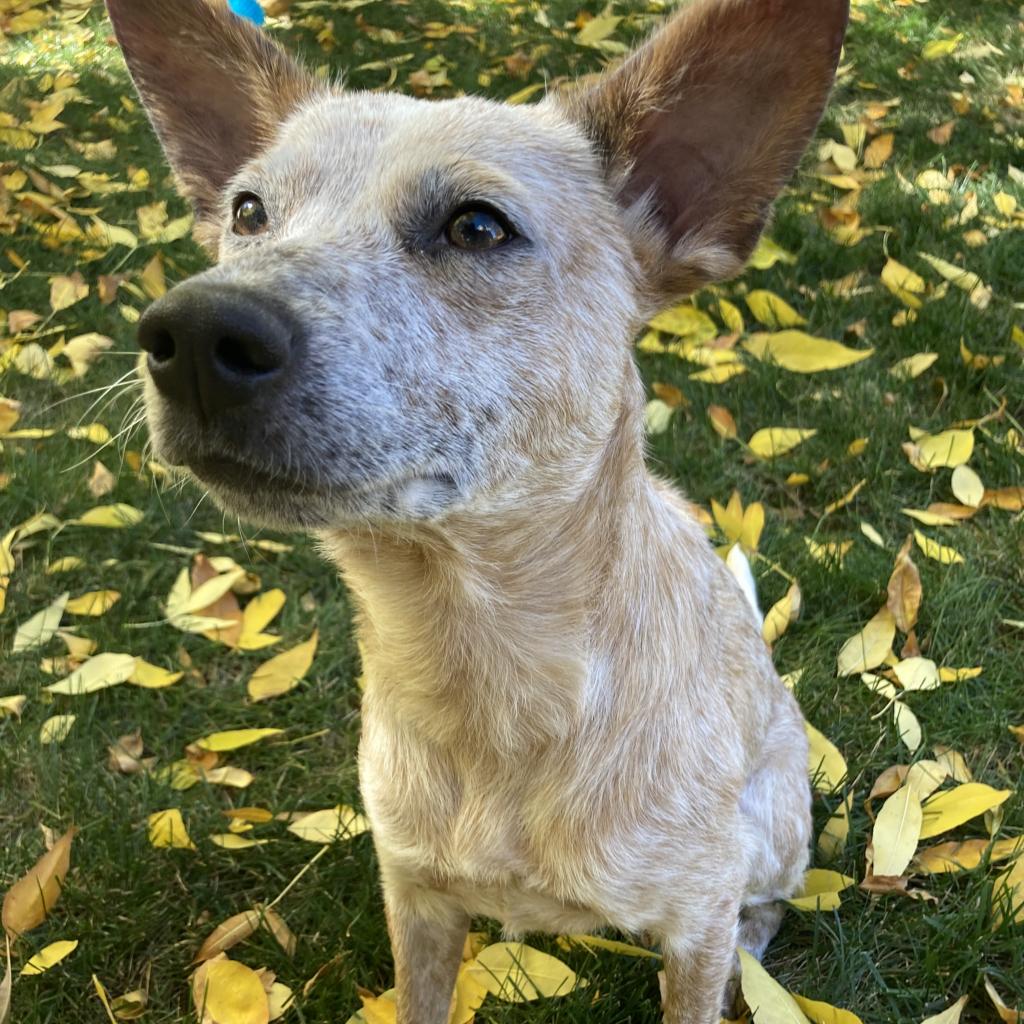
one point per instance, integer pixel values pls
(419, 305)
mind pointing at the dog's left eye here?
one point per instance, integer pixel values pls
(478, 228)
(249, 215)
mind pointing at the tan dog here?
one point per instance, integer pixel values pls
(416, 344)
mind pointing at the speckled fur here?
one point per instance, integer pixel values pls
(570, 719)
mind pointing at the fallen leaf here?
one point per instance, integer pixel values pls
(685, 321)
(767, 1000)
(870, 647)
(152, 677)
(802, 353)
(772, 310)
(111, 517)
(913, 366)
(98, 673)
(517, 973)
(233, 739)
(283, 672)
(953, 807)
(771, 442)
(939, 552)
(49, 956)
(329, 826)
(227, 992)
(826, 765)
(28, 902)
(824, 1013)
(1006, 1013)
(781, 614)
(101, 482)
(917, 674)
(66, 290)
(612, 946)
(56, 729)
(907, 286)
(950, 448)
(167, 831)
(228, 934)
(39, 629)
(878, 150)
(904, 591)
(821, 890)
(94, 603)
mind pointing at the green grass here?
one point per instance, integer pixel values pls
(141, 913)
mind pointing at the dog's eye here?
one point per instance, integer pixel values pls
(478, 228)
(249, 216)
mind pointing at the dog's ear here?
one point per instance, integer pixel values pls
(703, 125)
(215, 87)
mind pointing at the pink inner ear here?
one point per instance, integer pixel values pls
(710, 117)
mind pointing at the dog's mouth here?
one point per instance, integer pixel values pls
(220, 470)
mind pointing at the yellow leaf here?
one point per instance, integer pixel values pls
(781, 614)
(772, 310)
(685, 321)
(958, 675)
(1008, 895)
(966, 855)
(825, 764)
(904, 590)
(803, 353)
(98, 673)
(49, 956)
(767, 253)
(39, 629)
(844, 500)
(913, 366)
(878, 150)
(836, 831)
(230, 993)
(152, 278)
(233, 841)
(228, 934)
(111, 517)
(718, 374)
(967, 486)
(722, 421)
(917, 674)
(657, 416)
(517, 973)
(597, 29)
(66, 291)
(903, 283)
(870, 647)
(261, 611)
(66, 564)
(951, 1015)
(613, 946)
(939, 552)
(28, 902)
(829, 553)
(950, 448)
(56, 729)
(953, 807)
(329, 826)
(768, 1001)
(94, 603)
(152, 677)
(897, 831)
(13, 705)
(233, 739)
(770, 442)
(821, 890)
(283, 672)
(980, 294)
(825, 1013)
(95, 433)
(1006, 1013)
(929, 518)
(730, 315)
(167, 831)
(1005, 203)
(941, 47)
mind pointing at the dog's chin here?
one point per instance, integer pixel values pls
(297, 503)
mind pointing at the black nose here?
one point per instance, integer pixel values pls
(212, 346)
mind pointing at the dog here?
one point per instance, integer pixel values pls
(415, 344)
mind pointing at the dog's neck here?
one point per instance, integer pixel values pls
(484, 626)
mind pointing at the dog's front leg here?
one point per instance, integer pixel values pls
(428, 931)
(697, 972)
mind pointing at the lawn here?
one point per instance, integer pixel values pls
(919, 160)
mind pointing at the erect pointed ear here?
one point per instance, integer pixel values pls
(215, 87)
(702, 126)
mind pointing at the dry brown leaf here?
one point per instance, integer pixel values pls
(35, 894)
(942, 133)
(228, 934)
(101, 481)
(904, 590)
(1006, 1013)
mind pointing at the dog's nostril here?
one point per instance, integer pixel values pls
(162, 346)
(243, 357)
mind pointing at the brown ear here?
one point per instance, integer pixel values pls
(703, 125)
(215, 87)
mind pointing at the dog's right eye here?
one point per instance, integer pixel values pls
(249, 215)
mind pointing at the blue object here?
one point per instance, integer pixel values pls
(248, 9)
